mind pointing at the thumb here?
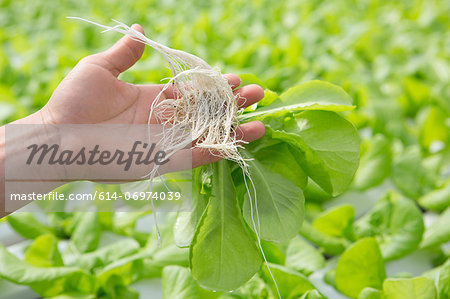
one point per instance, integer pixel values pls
(125, 53)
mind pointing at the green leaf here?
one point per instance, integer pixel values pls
(444, 281)
(108, 254)
(166, 235)
(409, 175)
(318, 94)
(274, 252)
(279, 159)
(330, 277)
(254, 288)
(438, 199)
(330, 245)
(360, 266)
(247, 79)
(167, 256)
(116, 288)
(313, 294)
(291, 284)
(26, 225)
(313, 95)
(336, 222)
(124, 224)
(177, 282)
(302, 257)
(416, 94)
(86, 234)
(375, 164)
(325, 145)
(410, 288)
(186, 223)
(152, 259)
(397, 224)
(129, 268)
(433, 128)
(279, 203)
(269, 98)
(44, 252)
(313, 192)
(48, 281)
(266, 141)
(223, 255)
(439, 232)
(370, 293)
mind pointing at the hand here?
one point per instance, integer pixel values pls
(92, 94)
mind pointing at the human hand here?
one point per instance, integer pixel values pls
(92, 94)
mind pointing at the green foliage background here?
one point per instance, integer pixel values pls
(377, 50)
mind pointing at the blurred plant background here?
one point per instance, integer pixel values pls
(392, 57)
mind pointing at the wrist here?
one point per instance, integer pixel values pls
(19, 177)
(36, 118)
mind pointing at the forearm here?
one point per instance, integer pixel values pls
(8, 187)
(105, 153)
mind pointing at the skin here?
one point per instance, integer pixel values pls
(92, 94)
